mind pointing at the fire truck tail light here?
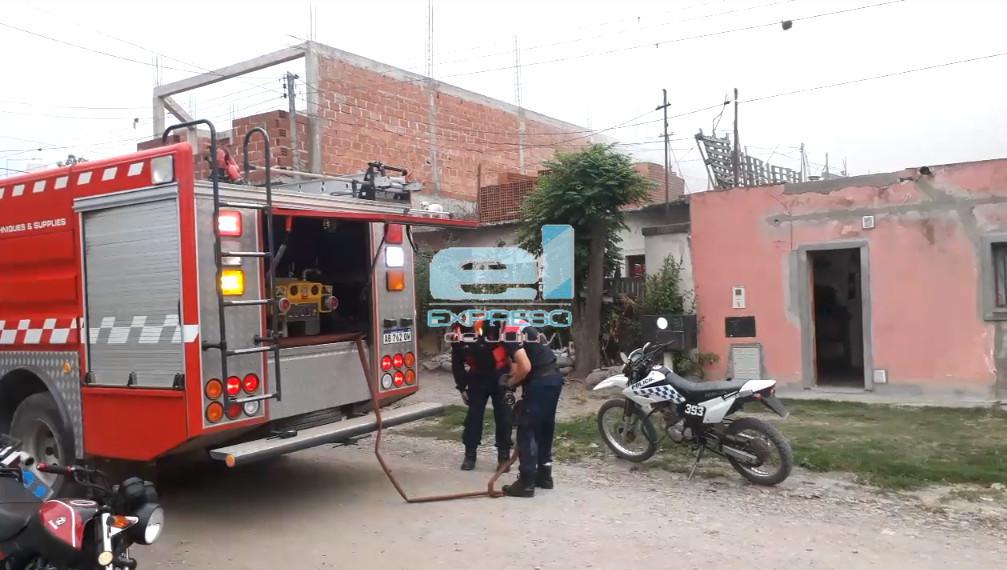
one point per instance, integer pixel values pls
(386, 363)
(395, 256)
(252, 408)
(214, 389)
(162, 169)
(229, 223)
(386, 382)
(393, 233)
(410, 360)
(232, 282)
(233, 386)
(396, 280)
(234, 410)
(214, 412)
(283, 305)
(251, 383)
(398, 378)
(410, 377)
(331, 303)
(398, 361)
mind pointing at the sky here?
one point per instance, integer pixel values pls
(78, 76)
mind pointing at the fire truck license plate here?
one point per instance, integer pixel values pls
(397, 336)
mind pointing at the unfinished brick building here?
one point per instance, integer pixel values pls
(358, 110)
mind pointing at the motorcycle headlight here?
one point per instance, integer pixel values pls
(148, 530)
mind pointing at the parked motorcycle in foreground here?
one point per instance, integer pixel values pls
(694, 414)
(80, 534)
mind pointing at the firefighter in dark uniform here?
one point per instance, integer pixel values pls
(534, 369)
(477, 366)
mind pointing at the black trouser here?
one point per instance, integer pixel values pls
(479, 391)
(536, 427)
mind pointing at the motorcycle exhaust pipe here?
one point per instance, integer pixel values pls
(739, 455)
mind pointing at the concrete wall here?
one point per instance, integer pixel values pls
(926, 262)
(661, 242)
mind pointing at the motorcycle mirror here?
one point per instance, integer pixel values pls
(624, 358)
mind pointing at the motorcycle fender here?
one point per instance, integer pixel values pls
(617, 381)
(753, 386)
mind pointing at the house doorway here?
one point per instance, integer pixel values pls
(837, 313)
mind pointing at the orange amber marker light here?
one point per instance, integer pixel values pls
(396, 280)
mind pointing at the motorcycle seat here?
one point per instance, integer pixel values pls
(699, 391)
(17, 505)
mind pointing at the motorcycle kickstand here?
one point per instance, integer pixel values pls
(699, 455)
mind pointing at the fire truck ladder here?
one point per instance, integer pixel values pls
(269, 340)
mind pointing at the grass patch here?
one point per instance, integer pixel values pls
(898, 446)
(890, 446)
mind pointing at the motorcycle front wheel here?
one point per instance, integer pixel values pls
(626, 430)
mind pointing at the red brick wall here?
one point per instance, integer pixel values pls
(502, 202)
(655, 173)
(369, 115)
(276, 124)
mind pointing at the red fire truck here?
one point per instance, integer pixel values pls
(144, 313)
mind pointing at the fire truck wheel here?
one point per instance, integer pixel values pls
(37, 423)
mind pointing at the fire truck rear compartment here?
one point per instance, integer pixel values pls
(314, 254)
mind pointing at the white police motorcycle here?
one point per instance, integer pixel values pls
(694, 414)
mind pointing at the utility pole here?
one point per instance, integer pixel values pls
(292, 112)
(803, 176)
(667, 166)
(826, 176)
(430, 38)
(737, 143)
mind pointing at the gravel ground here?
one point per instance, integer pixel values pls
(326, 508)
(333, 508)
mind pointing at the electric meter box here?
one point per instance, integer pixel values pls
(680, 330)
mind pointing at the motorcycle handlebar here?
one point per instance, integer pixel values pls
(55, 469)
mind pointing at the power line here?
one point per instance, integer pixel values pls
(584, 38)
(677, 40)
(873, 77)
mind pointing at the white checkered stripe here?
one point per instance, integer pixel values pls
(661, 393)
(39, 331)
(141, 329)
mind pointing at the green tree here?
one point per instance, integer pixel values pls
(587, 190)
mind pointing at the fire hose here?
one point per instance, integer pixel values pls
(490, 491)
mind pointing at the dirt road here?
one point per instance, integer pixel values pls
(333, 508)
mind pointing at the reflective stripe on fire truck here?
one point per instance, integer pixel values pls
(142, 329)
(39, 331)
(60, 183)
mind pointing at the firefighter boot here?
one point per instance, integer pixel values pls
(523, 487)
(469, 463)
(503, 456)
(543, 478)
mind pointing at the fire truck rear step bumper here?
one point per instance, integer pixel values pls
(249, 451)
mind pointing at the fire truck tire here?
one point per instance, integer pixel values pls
(39, 425)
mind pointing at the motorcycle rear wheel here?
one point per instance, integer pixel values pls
(633, 438)
(761, 439)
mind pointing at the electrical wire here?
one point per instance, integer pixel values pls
(623, 31)
(676, 40)
(874, 77)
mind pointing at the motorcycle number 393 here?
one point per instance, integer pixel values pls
(693, 410)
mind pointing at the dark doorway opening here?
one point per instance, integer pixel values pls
(838, 313)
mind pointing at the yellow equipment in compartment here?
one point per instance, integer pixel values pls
(303, 302)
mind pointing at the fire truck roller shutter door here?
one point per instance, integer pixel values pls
(132, 261)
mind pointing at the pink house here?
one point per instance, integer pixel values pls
(894, 283)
